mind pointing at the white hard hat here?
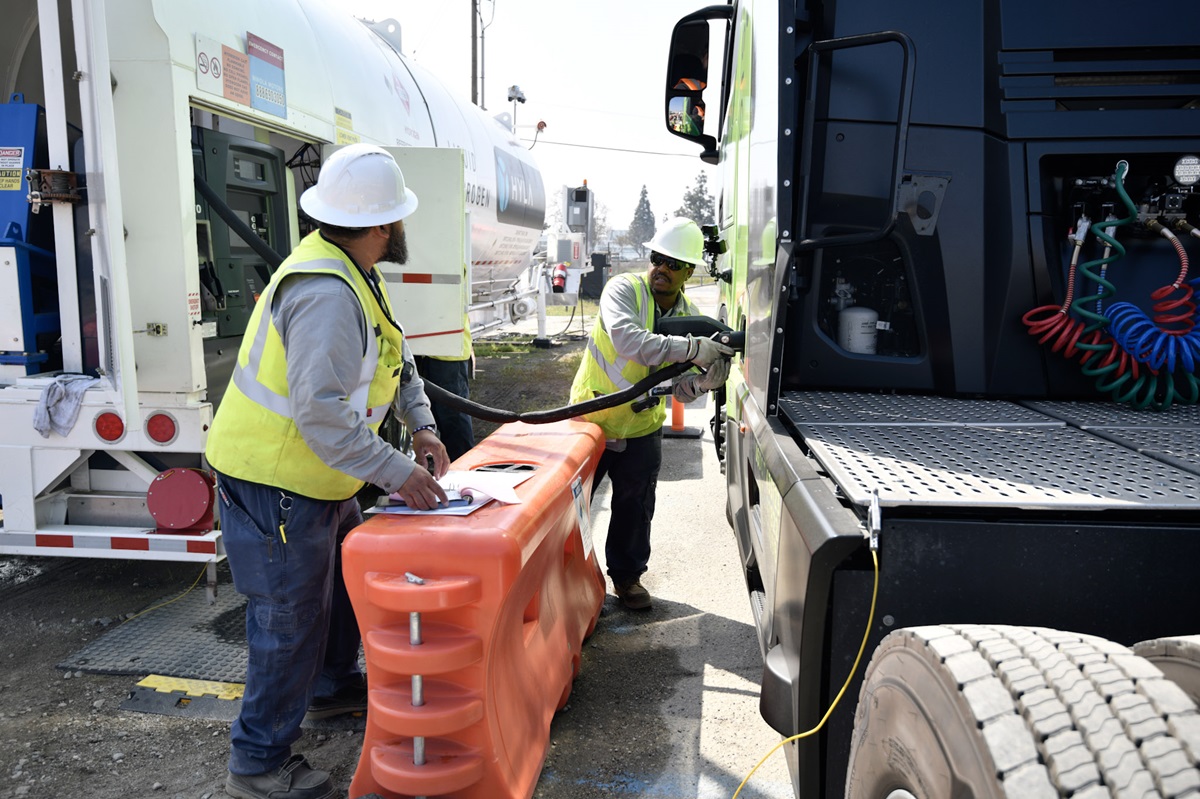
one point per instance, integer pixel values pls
(359, 186)
(680, 239)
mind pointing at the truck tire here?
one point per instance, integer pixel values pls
(1178, 657)
(1019, 713)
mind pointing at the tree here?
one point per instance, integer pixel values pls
(698, 204)
(600, 228)
(553, 221)
(642, 228)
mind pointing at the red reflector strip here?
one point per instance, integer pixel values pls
(436, 333)
(142, 544)
(202, 547)
(411, 278)
(62, 541)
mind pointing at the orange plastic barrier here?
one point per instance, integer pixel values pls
(473, 625)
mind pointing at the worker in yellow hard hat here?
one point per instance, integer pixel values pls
(622, 350)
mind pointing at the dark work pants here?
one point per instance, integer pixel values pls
(301, 633)
(634, 476)
(454, 427)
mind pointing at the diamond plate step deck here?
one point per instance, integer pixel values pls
(188, 638)
(939, 451)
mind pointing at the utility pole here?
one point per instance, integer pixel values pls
(474, 52)
(483, 60)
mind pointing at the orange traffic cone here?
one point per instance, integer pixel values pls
(677, 430)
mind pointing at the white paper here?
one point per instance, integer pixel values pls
(480, 487)
(492, 485)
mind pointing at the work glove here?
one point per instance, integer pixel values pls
(705, 352)
(715, 377)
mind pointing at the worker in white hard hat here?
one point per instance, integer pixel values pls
(622, 350)
(293, 441)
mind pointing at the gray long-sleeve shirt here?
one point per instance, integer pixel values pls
(324, 334)
(626, 327)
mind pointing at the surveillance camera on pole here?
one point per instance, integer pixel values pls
(515, 95)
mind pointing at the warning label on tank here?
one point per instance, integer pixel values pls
(12, 163)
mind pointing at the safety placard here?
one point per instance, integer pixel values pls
(12, 164)
(267, 89)
(224, 71)
(344, 122)
(209, 65)
(581, 513)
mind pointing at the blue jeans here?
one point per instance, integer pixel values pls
(301, 633)
(634, 476)
(454, 427)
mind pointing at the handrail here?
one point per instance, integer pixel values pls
(903, 113)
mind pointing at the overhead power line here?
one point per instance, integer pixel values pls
(611, 149)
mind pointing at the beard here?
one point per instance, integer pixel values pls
(397, 247)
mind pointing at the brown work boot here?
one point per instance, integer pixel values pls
(632, 594)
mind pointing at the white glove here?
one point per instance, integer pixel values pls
(715, 377)
(705, 352)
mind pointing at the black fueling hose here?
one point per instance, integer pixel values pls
(690, 325)
(438, 394)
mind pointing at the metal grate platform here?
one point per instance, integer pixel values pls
(828, 407)
(1034, 468)
(187, 638)
(1087, 415)
(918, 450)
(1171, 436)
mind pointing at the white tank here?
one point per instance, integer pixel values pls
(346, 82)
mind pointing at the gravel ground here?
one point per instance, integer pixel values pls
(63, 734)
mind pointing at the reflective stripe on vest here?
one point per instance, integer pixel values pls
(254, 436)
(245, 377)
(603, 371)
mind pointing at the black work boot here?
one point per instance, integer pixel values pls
(632, 594)
(294, 779)
(350, 699)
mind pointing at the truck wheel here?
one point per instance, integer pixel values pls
(1178, 658)
(1002, 712)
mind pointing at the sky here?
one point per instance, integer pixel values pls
(594, 72)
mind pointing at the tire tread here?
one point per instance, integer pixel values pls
(1066, 715)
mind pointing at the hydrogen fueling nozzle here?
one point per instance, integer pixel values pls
(704, 326)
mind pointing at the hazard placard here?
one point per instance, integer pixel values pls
(12, 163)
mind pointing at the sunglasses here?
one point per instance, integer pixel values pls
(674, 264)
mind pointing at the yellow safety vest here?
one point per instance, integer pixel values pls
(604, 371)
(253, 436)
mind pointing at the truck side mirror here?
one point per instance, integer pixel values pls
(687, 78)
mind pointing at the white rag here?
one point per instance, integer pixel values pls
(59, 405)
